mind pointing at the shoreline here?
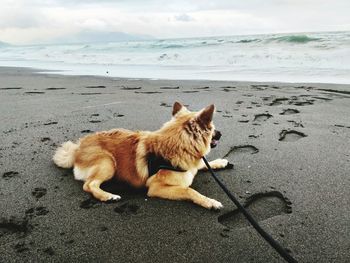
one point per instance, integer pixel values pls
(61, 73)
(288, 142)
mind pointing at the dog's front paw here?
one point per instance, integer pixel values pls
(212, 204)
(219, 163)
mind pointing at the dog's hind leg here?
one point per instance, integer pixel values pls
(102, 171)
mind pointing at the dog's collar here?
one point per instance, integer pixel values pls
(155, 163)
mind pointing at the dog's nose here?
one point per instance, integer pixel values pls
(217, 135)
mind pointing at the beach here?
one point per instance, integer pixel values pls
(289, 143)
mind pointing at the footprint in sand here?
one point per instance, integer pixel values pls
(90, 93)
(95, 87)
(55, 88)
(94, 118)
(289, 111)
(266, 98)
(90, 203)
(291, 135)
(148, 92)
(296, 123)
(118, 115)
(50, 123)
(34, 92)
(336, 91)
(49, 251)
(341, 126)
(102, 228)
(86, 131)
(229, 89)
(164, 104)
(21, 247)
(127, 209)
(39, 192)
(261, 205)
(205, 88)
(11, 88)
(45, 139)
(9, 174)
(278, 101)
(170, 87)
(302, 103)
(259, 87)
(36, 211)
(321, 98)
(262, 117)
(190, 91)
(14, 226)
(130, 88)
(235, 150)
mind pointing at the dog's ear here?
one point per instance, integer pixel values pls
(177, 107)
(206, 115)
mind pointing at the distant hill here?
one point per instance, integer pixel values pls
(101, 37)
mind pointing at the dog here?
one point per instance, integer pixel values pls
(164, 161)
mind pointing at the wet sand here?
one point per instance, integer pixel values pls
(289, 144)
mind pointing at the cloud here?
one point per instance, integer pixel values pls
(184, 18)
(14, 16)
(37, 21)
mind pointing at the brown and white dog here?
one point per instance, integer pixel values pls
(181, 142)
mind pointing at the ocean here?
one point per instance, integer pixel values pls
(303, 57)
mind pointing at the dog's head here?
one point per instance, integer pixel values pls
(196, 129)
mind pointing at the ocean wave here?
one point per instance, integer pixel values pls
(174, 46)
(248, 40)
(299, 39)
(292, 54)
(185, 44)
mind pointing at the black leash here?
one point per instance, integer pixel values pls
(251, 220)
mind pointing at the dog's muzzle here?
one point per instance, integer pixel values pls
(215, 139)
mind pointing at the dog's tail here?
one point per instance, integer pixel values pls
(65, 154)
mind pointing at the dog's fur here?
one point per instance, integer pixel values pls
(183, 141)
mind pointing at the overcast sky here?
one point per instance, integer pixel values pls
(42, 21)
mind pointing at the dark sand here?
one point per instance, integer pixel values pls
(289, 143)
